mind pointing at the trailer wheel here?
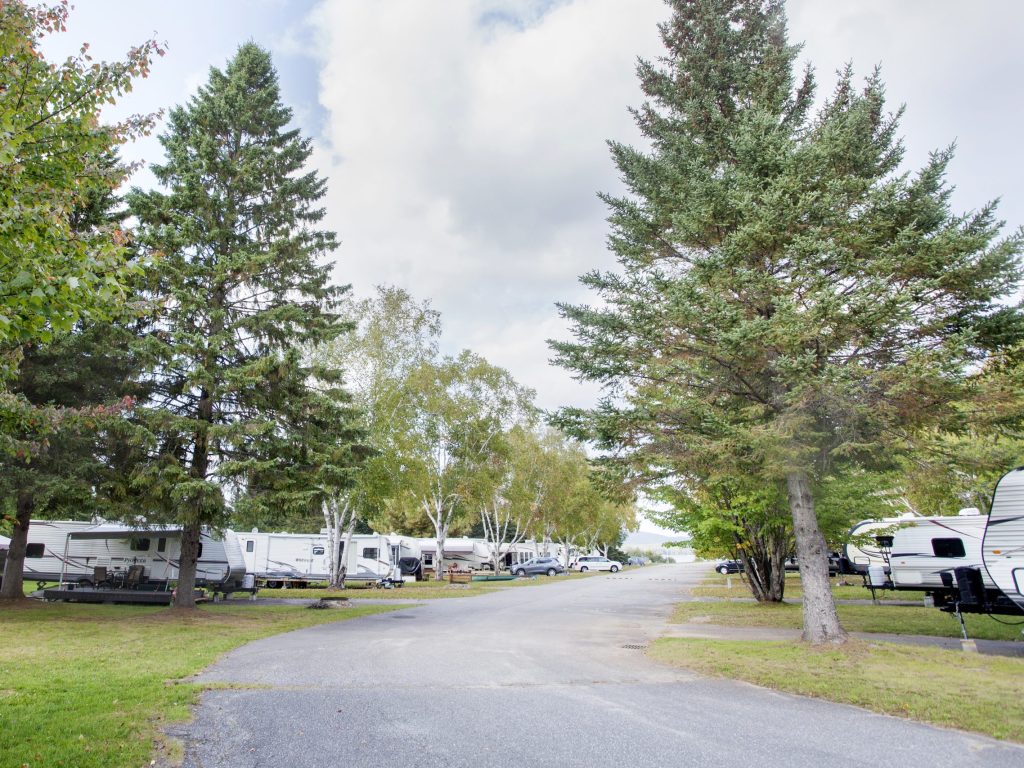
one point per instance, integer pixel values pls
(85, 582)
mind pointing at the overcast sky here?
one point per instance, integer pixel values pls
(464, 140)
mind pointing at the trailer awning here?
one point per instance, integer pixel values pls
(124, 533)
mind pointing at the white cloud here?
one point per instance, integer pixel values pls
(464, 157)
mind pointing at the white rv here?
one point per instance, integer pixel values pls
(925, 548)
(464, 553)
(295, 559)
(1002, 549)
(76, 552)
(285, 558)
(374, 556)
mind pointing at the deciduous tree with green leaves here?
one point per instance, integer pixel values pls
(76, 389)
(243, 288)
(54, 154)
(393, 334)
(788, 296)
(452, 413)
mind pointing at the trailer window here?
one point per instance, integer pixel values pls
(948, 548)
(161, 544)
(318, 550)
(250, 546)
(35, 550)
(370, 553)
(138, 545)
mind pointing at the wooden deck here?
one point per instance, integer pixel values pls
(91, 595)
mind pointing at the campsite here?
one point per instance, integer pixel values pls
(506, 383)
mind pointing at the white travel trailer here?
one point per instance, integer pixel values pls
(77, 552)
(925, 548)
(295, 559)
(1002, 549)
(464, 553)
(375, 556)
(285, 558)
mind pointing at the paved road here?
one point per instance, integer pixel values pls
(531, 677)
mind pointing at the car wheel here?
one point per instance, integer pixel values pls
(552, 571)
(614, 568)
(583, 569)
(722, 569)
(520, 572)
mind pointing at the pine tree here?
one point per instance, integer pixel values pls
(242, 290)
(788, 298)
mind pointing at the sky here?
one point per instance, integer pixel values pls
(464, 141)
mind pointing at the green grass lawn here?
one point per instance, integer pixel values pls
(947, 688)
(715, 585)
(86, 686)
(424, 590)
(898, 620)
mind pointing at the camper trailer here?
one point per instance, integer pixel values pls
(285, 559)
(912, 553)
(296, 559)
(463, 553)
(1002, 549)
(72, 552)
(375, 557)
(925, 548)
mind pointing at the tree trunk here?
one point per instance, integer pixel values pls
(442, 534)
(762, 548)
(185, 596)
(190, 531)
(821, 622)
(346, 547)
(14, 578)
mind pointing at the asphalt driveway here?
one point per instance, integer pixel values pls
(525, 677)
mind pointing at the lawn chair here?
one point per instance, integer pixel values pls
(99, 576)
(134, 576)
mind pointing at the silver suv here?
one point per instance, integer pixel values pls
(596, 563)
(538, 565)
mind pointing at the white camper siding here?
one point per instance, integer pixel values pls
(924, 548)
(1003, 546)
(44, 556)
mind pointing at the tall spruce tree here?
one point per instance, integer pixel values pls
(788, 297)
(242, 287)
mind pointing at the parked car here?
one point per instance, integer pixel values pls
(538, 565)
(729, 566)
(596, 563)
(637, 561)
